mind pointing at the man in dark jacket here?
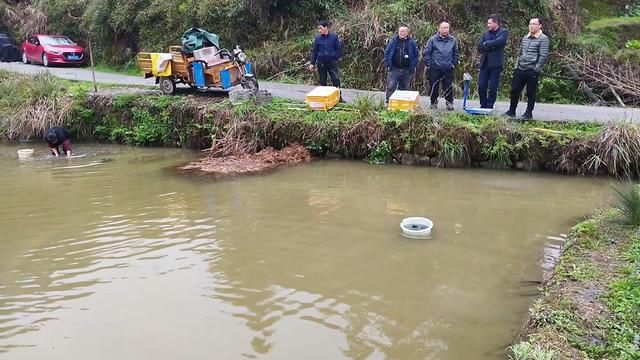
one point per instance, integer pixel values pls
(57, 136)
(532, 56)
(401, 57)
(441, 56)
(325, 53)
(491, 46)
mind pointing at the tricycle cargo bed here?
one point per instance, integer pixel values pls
(179, 64)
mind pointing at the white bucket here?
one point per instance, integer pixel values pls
(416, 228)
(25, 153)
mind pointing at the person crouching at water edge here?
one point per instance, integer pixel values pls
(58, 136)
(441, 56)
(401, 57)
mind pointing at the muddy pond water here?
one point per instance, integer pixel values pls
(115, 256)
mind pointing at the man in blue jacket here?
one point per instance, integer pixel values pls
(325, 53)
(401, 57)
(441, 56)
(491, 45)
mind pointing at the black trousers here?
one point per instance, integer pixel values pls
(438, 77)
(522, 78)
(329, 68)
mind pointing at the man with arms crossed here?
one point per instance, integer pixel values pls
(491, 46)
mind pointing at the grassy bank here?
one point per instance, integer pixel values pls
(363, 130)
(31, 104)
(590, 307)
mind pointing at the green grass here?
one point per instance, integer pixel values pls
(130, 68)
(614, 22)
(526, 351)
(628, 204)
(623, 299)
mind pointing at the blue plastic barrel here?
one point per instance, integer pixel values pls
(225, 78)
(198, 74)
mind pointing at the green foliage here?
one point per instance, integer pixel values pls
(396, 117)
(613, 22)
(609, 35)
(278, 34)
(633, 44)
(368, 106)
(316, 148)
(129, 68)
(381, 154)
(587, 233)
(500, 152)
(558, 91)
(119, 28)
(628, 203)
(633, 11)
(141, 121)
(526, 351)
(17, 90)
(577, 271)
(82, 121)
(452, 151)
(149, 129)
(32, 104)
(124, 101)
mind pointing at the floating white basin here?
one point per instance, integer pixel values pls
(416, 228)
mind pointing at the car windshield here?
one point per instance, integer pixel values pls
(55, 40)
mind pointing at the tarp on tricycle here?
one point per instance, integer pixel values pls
(196, 38)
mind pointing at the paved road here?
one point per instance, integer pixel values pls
(547, 112)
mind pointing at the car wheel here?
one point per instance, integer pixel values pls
(24, 58)
(45, 60)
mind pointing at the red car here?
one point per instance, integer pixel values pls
(52, 49)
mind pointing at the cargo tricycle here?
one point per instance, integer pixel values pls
(206, 68)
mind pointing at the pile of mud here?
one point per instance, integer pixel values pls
(266, 159)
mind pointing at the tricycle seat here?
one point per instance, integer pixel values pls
(217, 62)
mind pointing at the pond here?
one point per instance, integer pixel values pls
(115, 255)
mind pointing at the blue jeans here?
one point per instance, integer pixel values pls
(489, 78)
(398, 79)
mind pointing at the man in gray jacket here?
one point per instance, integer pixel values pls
(532, 55)
(441, 56)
